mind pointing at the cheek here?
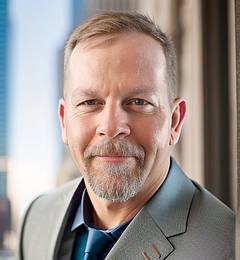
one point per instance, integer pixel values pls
(162, 135)
(79, 134)
(152, 134)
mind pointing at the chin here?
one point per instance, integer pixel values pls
(116, 187)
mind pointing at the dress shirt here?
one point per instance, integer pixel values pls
(83, 221)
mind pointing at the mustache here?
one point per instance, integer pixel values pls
(115, 147)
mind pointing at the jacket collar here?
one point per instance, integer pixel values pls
(170, 206)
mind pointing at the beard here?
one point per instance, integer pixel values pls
(115, 181)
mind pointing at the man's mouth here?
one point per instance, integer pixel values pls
(112, 158)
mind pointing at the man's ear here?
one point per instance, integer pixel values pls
(178, 115)
(61, 116)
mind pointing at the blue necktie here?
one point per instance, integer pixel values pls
(97, 243)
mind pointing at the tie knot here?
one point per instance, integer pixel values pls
(97, 241)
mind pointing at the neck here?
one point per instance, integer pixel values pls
(109, 214)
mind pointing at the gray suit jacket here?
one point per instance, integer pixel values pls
(181, 221)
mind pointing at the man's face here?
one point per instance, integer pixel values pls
(116, 117)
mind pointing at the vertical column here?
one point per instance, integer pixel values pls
(191, 87)
(232, 104)
(5, 217)
(216, 98)
(237, 24)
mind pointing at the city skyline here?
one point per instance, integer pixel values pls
(34, 135)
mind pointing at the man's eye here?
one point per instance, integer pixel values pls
(140, 105)
(91, 102)
(90, 105)
(138, 102)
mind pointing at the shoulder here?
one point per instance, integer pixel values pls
(211, 225)
(212, 214)
(43, 207)
(207, 205)
(193, 219)
(46, 200)
(44, 215)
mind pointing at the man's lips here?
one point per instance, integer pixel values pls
(114, 158)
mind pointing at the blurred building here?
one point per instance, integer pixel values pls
(4, 202)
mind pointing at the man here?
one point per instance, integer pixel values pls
(120, 117)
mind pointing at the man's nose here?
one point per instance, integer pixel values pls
(113, 122)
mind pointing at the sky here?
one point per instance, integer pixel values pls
(38, 30)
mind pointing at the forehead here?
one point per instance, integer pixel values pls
(137, 45)
(135, 58)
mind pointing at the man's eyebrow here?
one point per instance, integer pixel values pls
(84, 92)
(143, 90)
(78, 93)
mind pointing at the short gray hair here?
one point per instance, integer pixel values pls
(111, 22)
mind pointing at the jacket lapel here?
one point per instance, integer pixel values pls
(163, 216)
(170, 206)
(141, 240)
